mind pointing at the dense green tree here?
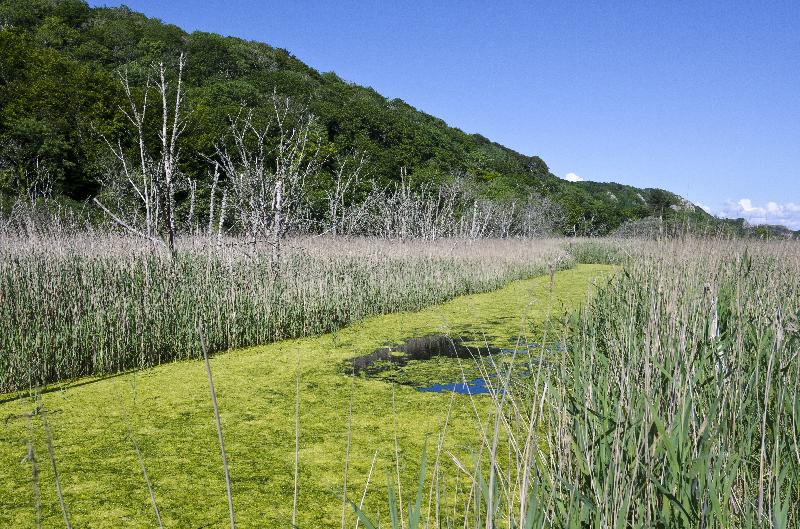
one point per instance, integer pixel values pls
(659, 202)
(52, 109)
(60, 100)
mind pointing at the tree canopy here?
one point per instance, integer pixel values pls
(61, 102)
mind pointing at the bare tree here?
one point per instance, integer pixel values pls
(454, 209)
(212, 201)
(34, 211)
(171, 129)
(297, 157)
(151, 181)
(141, 180)
(262, 168)
(243, 157)
(344, 213)
(267, 160)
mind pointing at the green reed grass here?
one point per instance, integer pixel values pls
(92, 305)
(676, 405)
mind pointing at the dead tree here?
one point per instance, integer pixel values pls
(539, 217)
(151, 181)
(33, 211)
(267, 161)
(297, 158)
(343, 211)
(455, 209)
(171, 129)
(243, 156)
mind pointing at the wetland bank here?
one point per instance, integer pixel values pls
(652, 358)
(166, 411)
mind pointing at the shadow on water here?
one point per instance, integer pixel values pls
(431, 346)
(420, 348)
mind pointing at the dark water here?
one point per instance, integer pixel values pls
(433, 345)
(421, 348)
(473, 387)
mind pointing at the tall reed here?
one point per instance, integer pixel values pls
(99, 304)
(675, 405)
(678, 405)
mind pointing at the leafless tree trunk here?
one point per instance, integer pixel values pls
(452, 210)
(342, 208)
(297, 157)
(212, 198)
(242, 156)
(144, 184)
(171, 129)
(190, 227)
(221, 223)
(155, 181)
(267, 161)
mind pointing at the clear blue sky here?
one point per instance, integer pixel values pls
(702, 99)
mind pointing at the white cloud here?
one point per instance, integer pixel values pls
(572, 177)
(787, 213)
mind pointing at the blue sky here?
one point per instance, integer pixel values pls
(699, 98)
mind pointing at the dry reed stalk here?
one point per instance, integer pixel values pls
(219, 428)
(51, 453)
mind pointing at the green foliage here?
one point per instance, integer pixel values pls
(51, 108)
(59, 93)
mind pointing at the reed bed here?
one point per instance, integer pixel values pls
(92, 305)
(676, 404)
(679, 405)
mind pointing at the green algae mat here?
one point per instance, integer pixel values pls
(167, 413)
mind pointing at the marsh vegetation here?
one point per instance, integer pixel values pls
(677, 403)
(86, 305)
(673, 402)
(239, 292)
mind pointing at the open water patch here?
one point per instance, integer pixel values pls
(421, 348)
(475, 386)
(440, 363)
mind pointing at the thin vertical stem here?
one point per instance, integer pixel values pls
(296, 440)
(397, 459)
(347, 452)
(51, 453)
(34, 470)
(219, 428)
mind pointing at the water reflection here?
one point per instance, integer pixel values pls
(427, 347)
(420, 348)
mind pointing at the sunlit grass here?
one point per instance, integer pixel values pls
(171, 416)
(72, 307)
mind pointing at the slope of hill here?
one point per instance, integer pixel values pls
(59, 96)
